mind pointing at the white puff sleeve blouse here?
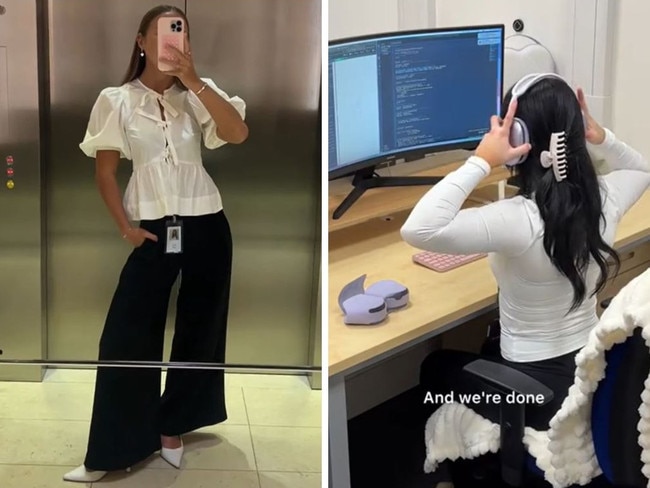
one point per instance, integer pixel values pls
(164, 145)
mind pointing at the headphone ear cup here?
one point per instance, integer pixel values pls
(518, 136)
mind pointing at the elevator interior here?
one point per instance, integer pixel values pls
(60, 253)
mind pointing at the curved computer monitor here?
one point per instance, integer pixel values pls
(404, 95)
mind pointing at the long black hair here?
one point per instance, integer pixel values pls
(137, 62)
(572, 210)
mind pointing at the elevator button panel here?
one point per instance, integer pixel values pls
(10, 172)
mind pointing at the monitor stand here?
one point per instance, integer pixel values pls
(366, 179)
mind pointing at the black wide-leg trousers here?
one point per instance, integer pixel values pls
(129, 413)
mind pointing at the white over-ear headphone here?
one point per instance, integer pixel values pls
(519, 131)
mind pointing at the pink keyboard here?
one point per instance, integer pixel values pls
(444, 262)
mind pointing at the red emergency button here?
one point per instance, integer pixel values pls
(10, 171)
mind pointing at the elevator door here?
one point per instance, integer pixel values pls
(21, 260)
(269, 185)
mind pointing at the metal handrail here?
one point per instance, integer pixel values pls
(164, 364)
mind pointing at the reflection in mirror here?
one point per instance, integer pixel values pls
(119, 177)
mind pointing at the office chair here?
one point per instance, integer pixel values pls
(614, 429)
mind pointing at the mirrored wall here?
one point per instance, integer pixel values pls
(62, 256)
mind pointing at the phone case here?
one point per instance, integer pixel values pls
(171, 30)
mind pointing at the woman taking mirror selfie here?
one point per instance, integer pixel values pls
(157, 119)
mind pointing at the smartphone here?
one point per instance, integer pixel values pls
(171, 30)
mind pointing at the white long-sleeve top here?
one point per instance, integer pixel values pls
(168, 175)
(534, 297)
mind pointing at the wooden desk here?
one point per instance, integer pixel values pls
(373, 204)
(438, 302)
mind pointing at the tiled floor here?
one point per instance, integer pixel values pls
(272, 438)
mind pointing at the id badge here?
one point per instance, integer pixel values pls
(174, 241)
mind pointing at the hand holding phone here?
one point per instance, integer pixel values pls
(171, 31)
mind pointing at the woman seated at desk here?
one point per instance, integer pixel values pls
(548, 246)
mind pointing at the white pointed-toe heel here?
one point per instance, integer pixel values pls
(173, 456)
(82, 475)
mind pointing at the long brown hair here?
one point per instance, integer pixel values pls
(137, 63)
